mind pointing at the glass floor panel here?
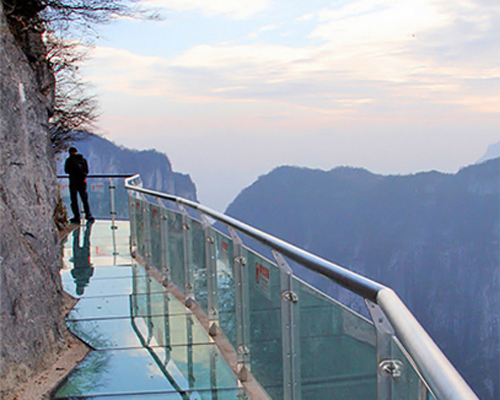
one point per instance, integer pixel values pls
(92, 245)
(76, 280)
(99, 287)
(101, 307)
(212, 394)
(119, 306)
(119, 332)
(144, 370)
(119, 271)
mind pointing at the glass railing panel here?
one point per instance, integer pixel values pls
(337, 348)
(178, 343)
(198, 263)
(140, 286)
(133, 206)
(180, 330)
(225, 286)
(155, 235)
(139, 226)
(171, 330)
(159, 319)
(99, 194)
(176, 248)
(265, 323)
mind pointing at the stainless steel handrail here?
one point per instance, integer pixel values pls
(441, 376)
(100, 176)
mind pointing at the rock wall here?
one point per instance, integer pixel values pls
(31, 325)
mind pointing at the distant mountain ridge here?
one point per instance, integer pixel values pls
(493, 151)
(105, 157)
(433, 237)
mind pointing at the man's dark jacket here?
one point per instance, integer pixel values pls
(77, 168)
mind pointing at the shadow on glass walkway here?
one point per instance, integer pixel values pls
(196, 314)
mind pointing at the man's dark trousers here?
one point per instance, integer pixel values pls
(76, 188)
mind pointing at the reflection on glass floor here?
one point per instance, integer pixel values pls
(147, 344)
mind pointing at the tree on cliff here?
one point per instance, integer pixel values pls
(68, 28)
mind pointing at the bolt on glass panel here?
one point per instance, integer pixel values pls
(406, 383)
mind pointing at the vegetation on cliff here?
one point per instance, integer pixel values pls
(54, 35)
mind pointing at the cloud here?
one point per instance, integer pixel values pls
(237, 9)
(392, 86)
(374, 57)
(261, 30)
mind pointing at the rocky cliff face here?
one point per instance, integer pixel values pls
(105, 157)
(31, 325)
(433, 237)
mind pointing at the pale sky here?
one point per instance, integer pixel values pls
(230, 89)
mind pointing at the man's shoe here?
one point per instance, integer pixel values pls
(90, 220)
(74, 221)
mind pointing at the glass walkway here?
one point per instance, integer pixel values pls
(147, 344)
(195, 313)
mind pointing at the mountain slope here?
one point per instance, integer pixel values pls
(433, 237)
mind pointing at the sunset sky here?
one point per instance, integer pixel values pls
(230, 89)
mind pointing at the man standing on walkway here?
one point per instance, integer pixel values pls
(77, 168)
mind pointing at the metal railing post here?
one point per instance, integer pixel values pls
(388, 368)
(131, 212)
(149, 309)
(211, 268)
(134, 204)
(188, 255)
(147, 232)
(213, 372)
(165, 253)
(166, 326)
(242, 305)
(112, 188)
(189, 348)
(290, 331)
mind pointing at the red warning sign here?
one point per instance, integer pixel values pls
(100, 250)
(262, 278)
(224, 252)
(97, 187)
